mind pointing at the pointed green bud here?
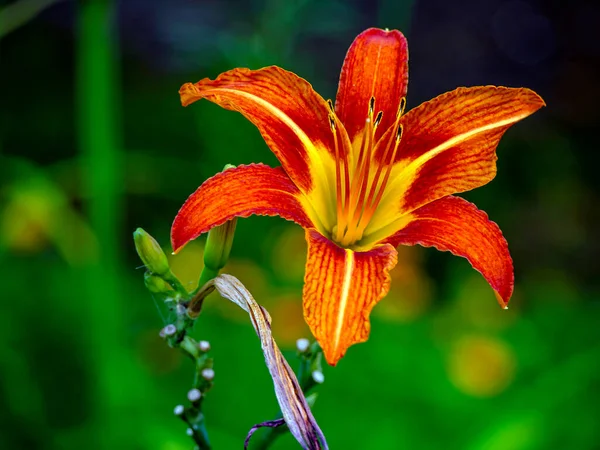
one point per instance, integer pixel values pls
(219, 242)
(150, 252)
(218, 245)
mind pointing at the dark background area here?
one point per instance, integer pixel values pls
(94, 143)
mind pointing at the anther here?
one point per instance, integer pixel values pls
(378, 118)
(402, 106)
(399, 133)
(331, 123)
(330, 103)
(371, 106)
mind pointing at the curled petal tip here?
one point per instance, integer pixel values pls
(188, 94)
(453, 224)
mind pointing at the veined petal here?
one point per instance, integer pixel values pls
(292, 118)
(455, 225)
(448, 146)
(238, 192)
(376, 65)
(340, 289)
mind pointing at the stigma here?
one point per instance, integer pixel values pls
(360, 178)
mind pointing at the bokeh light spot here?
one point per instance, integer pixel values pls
(410, 292)
(288, 256)
(481, 366)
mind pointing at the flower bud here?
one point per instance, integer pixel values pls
(208, 374)
(194, 395)
(204, 346)
(168, 331)
(219, 242)
(150, 252)
(218, 245)
(318, 376)
(302, 345)
(156, 284)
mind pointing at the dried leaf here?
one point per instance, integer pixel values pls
(294, 408)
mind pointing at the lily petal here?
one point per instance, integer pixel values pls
(340, 289)
(449, 146)
(238, 192)
(292, 118)
(455, 225)
(376, 65)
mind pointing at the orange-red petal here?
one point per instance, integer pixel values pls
(341, 287)
(453, 224)
(450, 142)
(376, 65)
(448, 146)
(238, 192)
(290, 115)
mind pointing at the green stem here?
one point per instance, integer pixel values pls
(200, 435)
(193, 416)
(206, 275)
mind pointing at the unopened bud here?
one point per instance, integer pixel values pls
(302, 345)
(150, 252)
(156, 284)
(179, 410)
(218, 245)
(194, 395)
(208, 374)
(204, 346)
(219, 242)
(189, 432)
(318, 376)
(168, 331)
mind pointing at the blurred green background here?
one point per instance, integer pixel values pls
(94, 143)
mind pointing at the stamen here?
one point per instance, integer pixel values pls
(402, 106)
(362, 180)
(332, 124)
(370, 210)
(399, 133)
(358, 170)
(358, 198)
(330, 103)
(338, 183)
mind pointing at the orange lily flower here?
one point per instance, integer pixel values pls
(362, 177)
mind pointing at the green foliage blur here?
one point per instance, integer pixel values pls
(94, 143)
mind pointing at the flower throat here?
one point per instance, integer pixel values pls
(360, 183)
